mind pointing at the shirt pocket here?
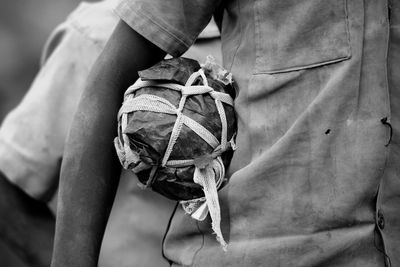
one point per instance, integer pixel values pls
(299, 34)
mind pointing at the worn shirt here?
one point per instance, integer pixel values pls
(315, 178)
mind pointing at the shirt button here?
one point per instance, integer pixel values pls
(381, 220)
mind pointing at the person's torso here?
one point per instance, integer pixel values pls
(313, 181)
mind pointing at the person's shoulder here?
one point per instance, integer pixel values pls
(95, 20)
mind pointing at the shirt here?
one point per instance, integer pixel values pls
(315, 178)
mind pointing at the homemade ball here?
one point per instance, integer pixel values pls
(170, 123)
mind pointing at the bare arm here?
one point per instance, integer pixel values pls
(90, 170)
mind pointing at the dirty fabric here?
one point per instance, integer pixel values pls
(315, 178)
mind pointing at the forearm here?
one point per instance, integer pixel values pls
(26, 225)
(90, 170)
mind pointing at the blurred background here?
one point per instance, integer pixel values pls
(24, 28)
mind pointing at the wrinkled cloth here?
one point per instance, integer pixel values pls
(315, 178)
(32, 136)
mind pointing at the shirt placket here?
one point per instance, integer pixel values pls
(380, 221)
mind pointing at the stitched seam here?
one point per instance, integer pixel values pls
(241, 36)
(257, 35)
(160, 26)
(388, 150)
(302, 67)
(346, 14)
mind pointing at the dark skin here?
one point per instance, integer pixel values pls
(26, 225)
(90, 169)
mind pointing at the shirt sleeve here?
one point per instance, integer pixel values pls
(32, 136)
(172, 25)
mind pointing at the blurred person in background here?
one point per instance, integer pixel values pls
(23, 30)
(32, 140)
(24, 27)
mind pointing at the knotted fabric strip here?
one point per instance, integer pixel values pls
(209, 175)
